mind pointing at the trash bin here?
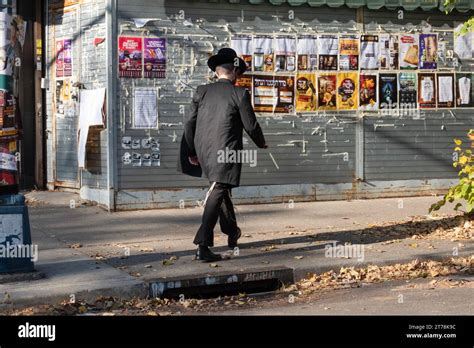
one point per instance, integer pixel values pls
(16, 250)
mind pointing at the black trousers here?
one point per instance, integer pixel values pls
(218, 207)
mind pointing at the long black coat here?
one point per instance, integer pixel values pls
(219, 113)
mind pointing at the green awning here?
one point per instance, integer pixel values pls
(409, 5)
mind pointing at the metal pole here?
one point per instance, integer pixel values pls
(112, 112)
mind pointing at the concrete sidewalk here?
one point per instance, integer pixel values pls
(86, 252)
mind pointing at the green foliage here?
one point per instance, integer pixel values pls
(464, 189)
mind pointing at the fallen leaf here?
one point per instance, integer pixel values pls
(214, 265)
(298, 257)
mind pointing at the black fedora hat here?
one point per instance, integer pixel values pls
(224, 56)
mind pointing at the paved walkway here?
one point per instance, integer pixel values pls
(86, 252)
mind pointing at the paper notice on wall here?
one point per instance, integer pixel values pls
(428, 51)
(273, 94)
(347, 91)
(388, 52)
(464, 90)
(154, 57)
(445, 90)
(328, 51)
(368, 92)
(242, 45)
(285, 54)
(307, 50)
(130, 56)
(369, 52)
(327, 90)
(6, 58)
(407, 90)
(349, 52)
(305, 92)
(8, 161)
(426, 91)
(409, 51)
(263, 59)
(388, 91)
(463, 43)
(145, 115)
(90, 114)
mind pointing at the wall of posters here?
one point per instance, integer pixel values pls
(130, 56)
(428, 51)
(407, 90)
(285, 54)
(349, 52)
(307, 50)
(327, 90)
(445, 90)
(464, 90)
(263, 59)
(388, 52)
(305, 92)
(273, 94)
(426, 91)
(369, 52)
(347, 91)
(388, 91)
(328, 51)
(154, 57)
(409, 51)
(368, 92)
(243, 47)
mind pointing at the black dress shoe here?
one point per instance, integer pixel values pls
(232, 240)
(205, 254)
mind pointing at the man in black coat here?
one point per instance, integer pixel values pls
(219, 113)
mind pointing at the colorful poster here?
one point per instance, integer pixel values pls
(285, 54)
(464, 90)
(388, 52)
(428, 51)
(426, 91)
(130, 56)
(59, 58)
(273, 94)
(263, 59)
(327, 99)
(369, 52)
(67, 56)
(305, 92)
(349, 52)
(307, 50)
(154, 57)
(409, 51)
(445, 90)
(242, 44)
(347, 91)
(407, 90)
(368, 92)
(328, 50)
(246, 82)
(388, 91)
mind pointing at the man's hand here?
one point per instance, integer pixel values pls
(193, 160)
(265, 146)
